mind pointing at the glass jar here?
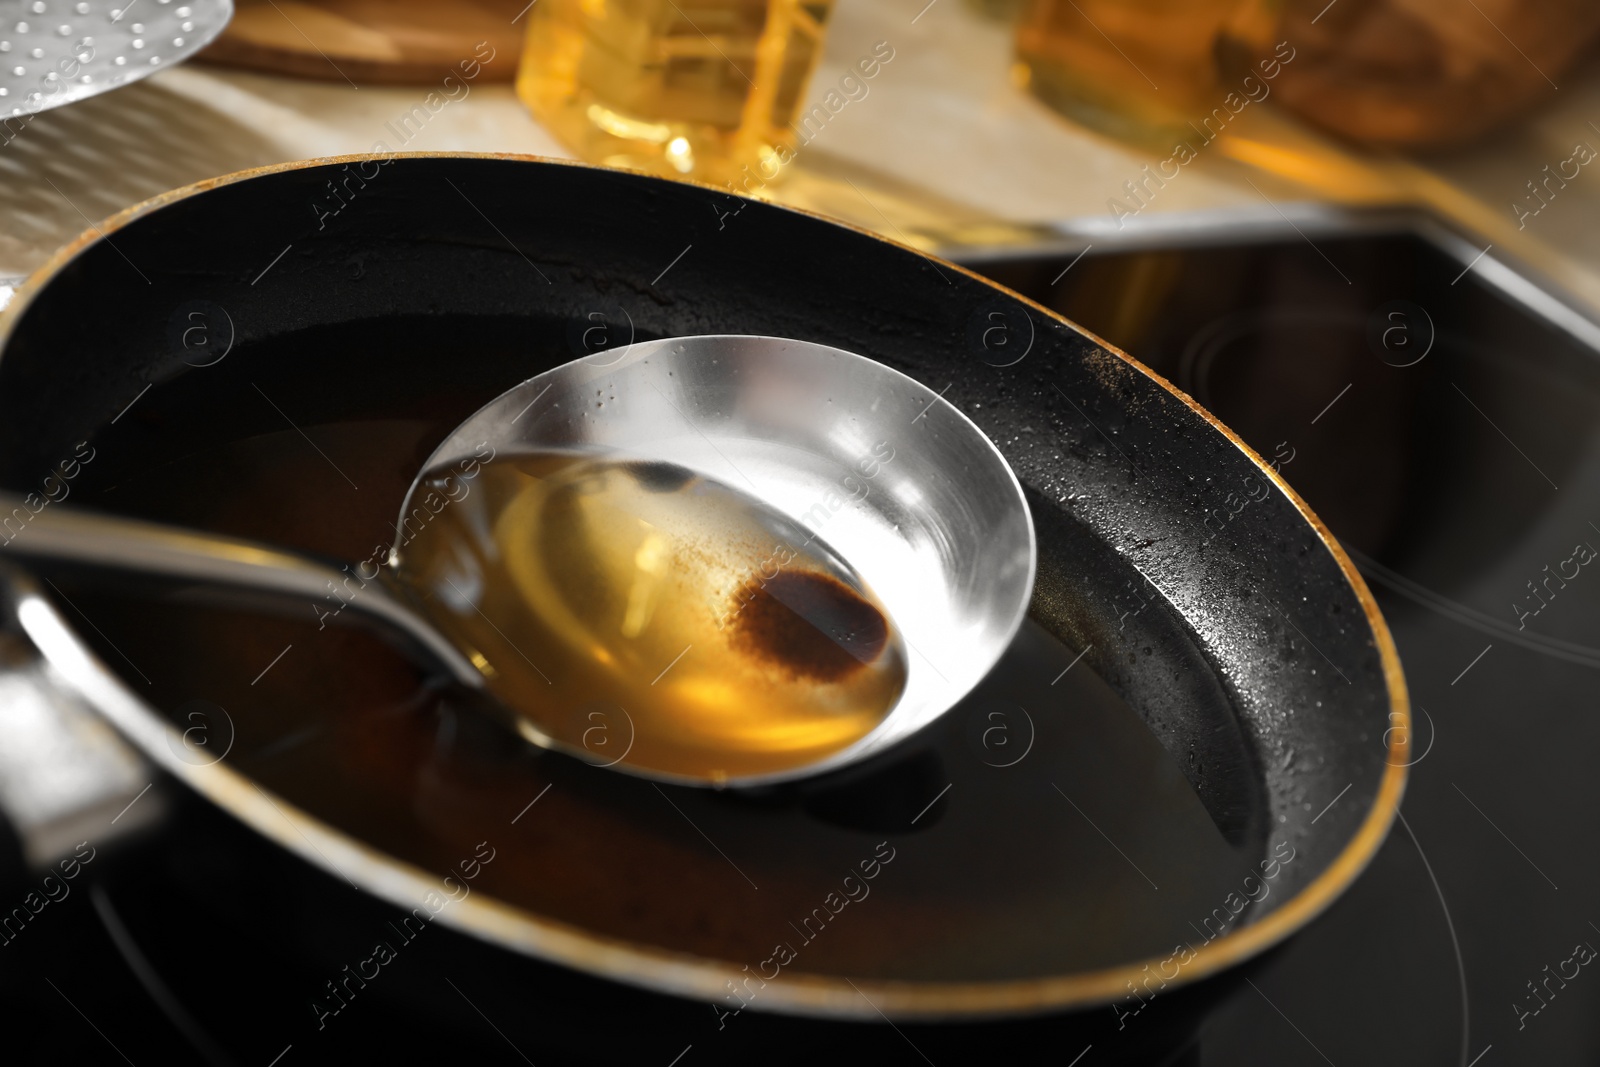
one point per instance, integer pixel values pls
(679, 88)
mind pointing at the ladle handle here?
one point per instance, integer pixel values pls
(105, 542)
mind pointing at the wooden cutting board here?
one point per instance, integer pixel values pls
(371, 41)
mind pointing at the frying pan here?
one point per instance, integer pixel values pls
(183, 342)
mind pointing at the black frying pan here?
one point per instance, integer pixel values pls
(198, 341)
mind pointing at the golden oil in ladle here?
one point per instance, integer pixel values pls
(654, 617)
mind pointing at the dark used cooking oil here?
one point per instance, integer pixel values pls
(1006, 876)
(647, 615)
(1056, 812)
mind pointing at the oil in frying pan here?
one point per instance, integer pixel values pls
(1002, 878)
(651, 616)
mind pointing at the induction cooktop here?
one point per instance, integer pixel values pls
(1441, 413)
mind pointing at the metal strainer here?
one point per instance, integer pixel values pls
(53, 52)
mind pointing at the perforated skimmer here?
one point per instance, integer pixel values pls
(53, 52)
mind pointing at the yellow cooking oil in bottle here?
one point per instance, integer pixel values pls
(642, 614)
(679, 88)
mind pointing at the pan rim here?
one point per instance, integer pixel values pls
(661, 970)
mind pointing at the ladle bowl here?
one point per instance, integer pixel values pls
(896, 481)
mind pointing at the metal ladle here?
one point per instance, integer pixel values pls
(940, 531)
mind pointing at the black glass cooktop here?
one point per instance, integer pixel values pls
(1445, 423)
(1440, 418)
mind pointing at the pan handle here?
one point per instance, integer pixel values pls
(69, 785)
(55, 533)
